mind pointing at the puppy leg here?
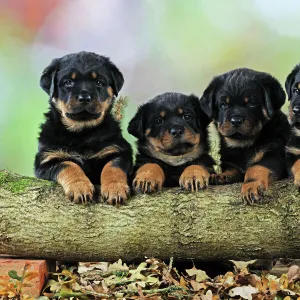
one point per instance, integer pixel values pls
(76, 184)
(296, 173)
(149, 178)
(114, 186)
(194, 178)
(255, 184)
(226, 177)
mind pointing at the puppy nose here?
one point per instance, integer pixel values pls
(296, 110)
(84, 98)
(176, 131)
(236, 121)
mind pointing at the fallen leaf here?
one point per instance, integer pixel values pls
(207, 296)
(273, 286)
(293, 273)
(197, 286)
(118, 266)
(284, 281)
(84, 267)
(228, 279)
(182, 282)
(243, 291)
(200, 275)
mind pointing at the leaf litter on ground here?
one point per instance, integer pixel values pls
(155, 280)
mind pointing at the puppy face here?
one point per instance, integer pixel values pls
(82, 87)
(292, 86)
(171, 125)
(240, 102)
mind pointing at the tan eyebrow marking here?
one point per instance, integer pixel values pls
(73, 76)
(162, 113)
(94, 75)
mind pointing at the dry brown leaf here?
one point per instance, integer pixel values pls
(197, 286)
(200, 275)
(284, 281)
(207, 296)
(243, 291)
(273, 286)
(293, 273)
(182, 282)
(140, 292)
(228, 279)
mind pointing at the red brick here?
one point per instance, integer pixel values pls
(38, 267)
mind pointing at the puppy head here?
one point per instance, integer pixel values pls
(292, 86)
(171, 124)
(82, 87)
(240, 102)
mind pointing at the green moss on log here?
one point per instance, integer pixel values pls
(17, 184)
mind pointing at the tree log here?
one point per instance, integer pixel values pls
(37, 221)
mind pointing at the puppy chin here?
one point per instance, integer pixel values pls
(240, 135)
(83, 116)
(178, 149)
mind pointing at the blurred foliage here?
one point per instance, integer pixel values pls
(187, 44)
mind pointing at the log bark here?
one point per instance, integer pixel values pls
(37, 221)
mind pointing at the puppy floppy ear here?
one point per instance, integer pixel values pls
(290, 80)
(116, 77)
(135, 126)
(48, 78)
(207, 101)
(202, 119)
(274, 93)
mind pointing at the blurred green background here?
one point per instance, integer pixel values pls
(159, 45)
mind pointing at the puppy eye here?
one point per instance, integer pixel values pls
(159, 121)
(251, 102)
(186, 117)
(98, 83)
(296, 91)
(69, 83)
(224, 105)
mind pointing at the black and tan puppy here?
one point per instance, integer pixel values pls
(245, 107)
(172, 144)
(80, 143)
(292, 86)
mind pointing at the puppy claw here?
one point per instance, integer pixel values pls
(194, 178)
(115, 193)
(253, 192)
(78, 191)
(147, 183)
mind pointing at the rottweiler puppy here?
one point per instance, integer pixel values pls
(292, 86)
(172, 144)
(80, 143)
(245, 107)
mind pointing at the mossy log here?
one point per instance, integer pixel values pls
(37, 221)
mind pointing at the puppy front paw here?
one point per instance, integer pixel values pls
(80, 191)
(194, 178)
(115, 192)
(147, 183)
(149, 179)
(226, 177)
(221, 178)
(253, 191)
(255, 184)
